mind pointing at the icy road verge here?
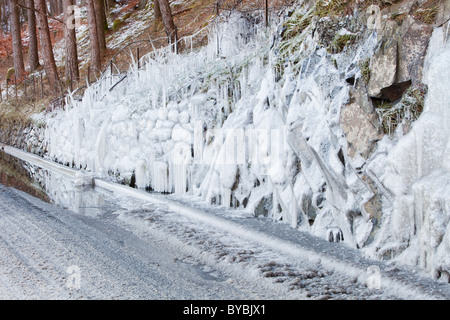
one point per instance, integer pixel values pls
(206, 246)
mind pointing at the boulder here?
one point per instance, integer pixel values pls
(398, 62)
(360, 94)
(383, 68)
(412, 49)
(359, 130)
(443, 15)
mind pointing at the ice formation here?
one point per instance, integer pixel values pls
(221, 124)
(415, 172)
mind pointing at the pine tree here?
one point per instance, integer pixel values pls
(167, 18)
(101, 23)
(19, 66)
(46, 45)
(33, 54)
(72, 72)
(93, 38)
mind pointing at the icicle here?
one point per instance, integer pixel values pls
(293, 213)
(446, 33)
(141, 174)
(226, 197)
(180, 178)
(160, 177)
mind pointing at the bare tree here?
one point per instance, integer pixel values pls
(167, 18)
(33, 54)
(109, 4)
(55, 7)
(105, 12)
(72, 72)
(19, 66)
(52, 8)
(46, 45)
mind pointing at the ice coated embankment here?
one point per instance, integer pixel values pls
(220, 124)
(417, 173)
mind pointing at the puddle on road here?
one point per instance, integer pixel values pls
(13, 174)
(53, 187)
(62, 191)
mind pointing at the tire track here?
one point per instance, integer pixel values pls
(38, 243)
(80, 246)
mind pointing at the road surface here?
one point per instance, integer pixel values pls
(114, 242)
(47, 252)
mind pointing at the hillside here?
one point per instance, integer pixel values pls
(130, 28)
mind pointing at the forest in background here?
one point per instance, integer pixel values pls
(31, 31)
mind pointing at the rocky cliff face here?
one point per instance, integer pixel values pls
(385, 130)
(350, 89)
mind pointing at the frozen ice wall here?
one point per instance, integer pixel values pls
(139, 127)
(221, 124)
(416, 225)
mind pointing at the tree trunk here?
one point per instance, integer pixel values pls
(157, 10)
(105, 12)
(60, 6)
(4, 16)
(167, 18)
(93, 38)
(33, 55)
(72, 73)
(19, 66)
(46, 46)
(100, 18)
(142, 4)
(156, 14)
(53, 10)
(109, 4)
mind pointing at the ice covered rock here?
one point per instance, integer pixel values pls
(383, 68)
(184, 117)
(163, 113)
(141, 174)
(416, 174)
(413, 45)
(181, 134)
(359, 130)
(173, 115)
(306, 153)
